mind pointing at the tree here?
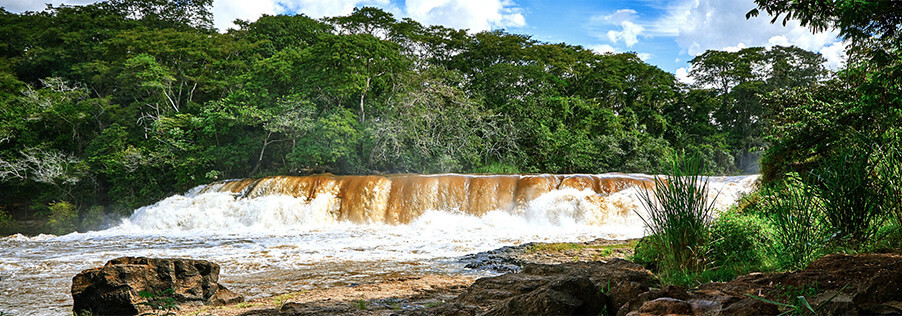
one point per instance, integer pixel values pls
(861, 107)
(740, 79)
(273, 34)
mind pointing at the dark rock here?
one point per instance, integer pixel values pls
(299, 309)
(670, 291)
(114, 289)
(541, 287)
(565, 296)
(666, 306)
(500, 260)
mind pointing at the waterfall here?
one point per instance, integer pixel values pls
(298, 202)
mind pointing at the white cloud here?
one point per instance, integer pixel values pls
(700, 25)
(835, 54)
(629, 34)
(629, 31)
(682, 74)
(324, 8)
(778, 40)
(18, 6)
(601, 48)
(226, 11)
(619, 16)
(475, 15)
(734, 49)
(644, 56)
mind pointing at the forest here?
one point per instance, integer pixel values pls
(114, 105)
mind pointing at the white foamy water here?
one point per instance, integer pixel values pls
(272, 244)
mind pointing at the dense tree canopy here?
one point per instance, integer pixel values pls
(123, 102)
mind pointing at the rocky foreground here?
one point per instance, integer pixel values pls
(544, 280)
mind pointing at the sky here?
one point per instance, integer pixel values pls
(664, 33)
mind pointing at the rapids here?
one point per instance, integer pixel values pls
(281, 234)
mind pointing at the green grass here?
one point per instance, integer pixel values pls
(565, 246)
(678, 213)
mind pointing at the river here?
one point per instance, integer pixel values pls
(280, 234)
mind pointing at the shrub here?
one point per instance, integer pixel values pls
(852, 200)
(738, 243)
(62, 218)
(888, 175)
(796, 216)
(678, 214)
(646, 254)
(7, 224)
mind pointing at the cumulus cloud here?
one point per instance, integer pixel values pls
(629, 31)
(682, 74)
(601, 48)
(324, 8)
(835, 54)
(475, 15)
(700, 25)
(227, 11)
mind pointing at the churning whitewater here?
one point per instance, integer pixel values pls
(327, 230)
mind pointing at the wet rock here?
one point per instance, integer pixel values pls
(501, 260)
(115, 288)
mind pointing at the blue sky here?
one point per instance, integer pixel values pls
(665, 33)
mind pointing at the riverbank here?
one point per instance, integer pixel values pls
(417, 292)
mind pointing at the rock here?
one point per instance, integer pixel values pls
(666, 306)
(565, 296)
(670, 291)
(553, 289)
(114, 289)
(868, 284)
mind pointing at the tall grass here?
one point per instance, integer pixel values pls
(679, 212)
(852, 201)
(888, 173)
(797, 219)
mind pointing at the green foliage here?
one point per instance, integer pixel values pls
(797, 300)
(888, 175)
(360, 304)
(498, 168)
(8, 225)
(796, 216)
(678, 216)
(63, 218)
(739, 243)
(160, 303)
(121, 103)
(853, 204)
(647, 254)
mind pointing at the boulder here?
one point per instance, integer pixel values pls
(116, 288)
(839, 284)
(564, 296)
(579, 288)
